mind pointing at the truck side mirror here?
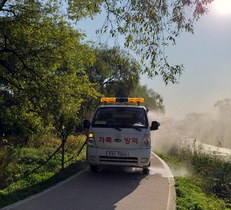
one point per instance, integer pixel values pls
(155, 125)
(86, 124)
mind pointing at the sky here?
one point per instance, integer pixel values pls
(206, 56)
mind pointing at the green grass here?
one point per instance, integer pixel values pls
(24, 188)
(20, 181)
(202, 181)
(190, 195)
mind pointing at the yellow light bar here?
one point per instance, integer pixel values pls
(135, 100)
(122, 100)
(109, 100)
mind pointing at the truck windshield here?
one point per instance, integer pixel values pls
(120, 117)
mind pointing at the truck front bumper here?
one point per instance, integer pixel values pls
(134, 158)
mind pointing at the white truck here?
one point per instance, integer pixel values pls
(119, 134)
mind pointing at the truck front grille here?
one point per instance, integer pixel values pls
(118, 159)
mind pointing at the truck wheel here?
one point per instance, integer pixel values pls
(94, 168)
(145, 170)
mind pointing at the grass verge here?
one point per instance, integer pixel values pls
(202, 181)
(18, 181)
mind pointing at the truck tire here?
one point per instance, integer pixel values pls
(145, 170)
(94, 168)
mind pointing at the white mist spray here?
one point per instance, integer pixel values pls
(207, 128)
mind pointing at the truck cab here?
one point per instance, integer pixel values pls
(119, 134)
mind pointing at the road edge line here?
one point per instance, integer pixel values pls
(171, 205)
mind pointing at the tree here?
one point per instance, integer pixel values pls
(115, 72)
(152, 100)
(148, 26)
(224, 107)
(17, 122)
(42, 71)
(42, 65)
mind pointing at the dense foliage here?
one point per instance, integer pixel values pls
(114, 72)
(41, 71)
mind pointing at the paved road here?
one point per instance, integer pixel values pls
(108, 189)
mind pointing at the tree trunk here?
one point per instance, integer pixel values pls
(63, 152)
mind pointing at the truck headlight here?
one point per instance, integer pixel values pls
(146, 143)
(91, 140)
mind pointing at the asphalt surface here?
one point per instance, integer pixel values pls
(120, 189)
